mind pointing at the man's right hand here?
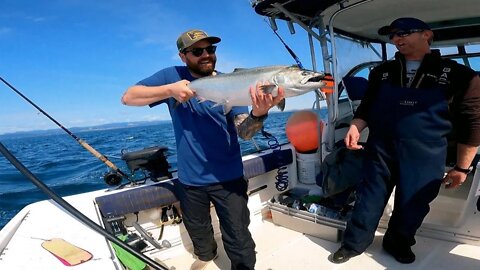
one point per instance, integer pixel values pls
(141, 95)
(180, 91)
(353, 134)
(351, 139)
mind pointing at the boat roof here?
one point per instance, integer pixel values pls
(454, 22)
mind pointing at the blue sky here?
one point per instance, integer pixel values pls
(74, 59)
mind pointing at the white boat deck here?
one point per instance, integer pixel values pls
(277, 247)
(45, 220)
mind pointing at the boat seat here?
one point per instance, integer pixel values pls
(265, 163)
(356, 88)
(163, 194)
(136, 199)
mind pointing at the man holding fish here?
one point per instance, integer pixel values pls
(210, 168)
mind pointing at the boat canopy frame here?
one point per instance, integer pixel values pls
(345, 19)
(326, 35)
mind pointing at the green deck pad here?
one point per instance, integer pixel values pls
(129, 260)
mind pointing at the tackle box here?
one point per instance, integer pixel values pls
(323, 225)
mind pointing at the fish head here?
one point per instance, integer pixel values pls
(296, 81)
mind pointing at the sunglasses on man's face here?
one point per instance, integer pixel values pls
(197, 52)
(404, 33)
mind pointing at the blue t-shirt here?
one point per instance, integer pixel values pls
(208, 151)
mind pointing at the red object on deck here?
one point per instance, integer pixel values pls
(303, 129)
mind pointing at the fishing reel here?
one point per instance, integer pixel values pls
(112, 178)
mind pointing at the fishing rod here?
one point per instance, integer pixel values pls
(328, 77)
(112, 178)
(73, 211)
(287, 47)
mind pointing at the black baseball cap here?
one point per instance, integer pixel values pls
(406, 23)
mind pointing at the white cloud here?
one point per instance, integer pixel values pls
(5, 30)
(36, 19)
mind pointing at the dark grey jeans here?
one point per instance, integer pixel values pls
(230, 202)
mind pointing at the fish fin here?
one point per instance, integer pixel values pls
(216, 105)
(226, 109)
(281, 105)
(200, 99)
(238, 69)
(268, 88)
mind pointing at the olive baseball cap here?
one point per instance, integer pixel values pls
(189, 37)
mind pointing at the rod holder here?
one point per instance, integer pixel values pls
(290, 27)
(273, 24)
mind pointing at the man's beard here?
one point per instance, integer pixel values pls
(202, 70)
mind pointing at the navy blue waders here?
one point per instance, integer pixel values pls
(406, 148)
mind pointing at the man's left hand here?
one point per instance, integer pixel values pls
(454, 179)
(262, 102)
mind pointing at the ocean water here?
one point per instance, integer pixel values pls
(67, 168)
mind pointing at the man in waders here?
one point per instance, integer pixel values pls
(412, 103)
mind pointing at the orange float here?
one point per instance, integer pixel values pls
(303, 129)
(329, 84)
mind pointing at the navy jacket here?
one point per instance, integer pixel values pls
(460, 83)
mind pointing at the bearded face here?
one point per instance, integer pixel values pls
(199, 66)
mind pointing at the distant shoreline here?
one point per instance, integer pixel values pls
(34, 133)
(53, 131)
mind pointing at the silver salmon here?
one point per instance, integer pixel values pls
(232, 89)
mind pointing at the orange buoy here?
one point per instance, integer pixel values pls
(302, 130)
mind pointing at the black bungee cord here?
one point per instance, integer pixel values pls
(281, 178)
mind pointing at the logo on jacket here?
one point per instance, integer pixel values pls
(410, 103)
(444, 76)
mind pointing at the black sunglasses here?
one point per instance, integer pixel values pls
(197, 52)
(404, 33)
